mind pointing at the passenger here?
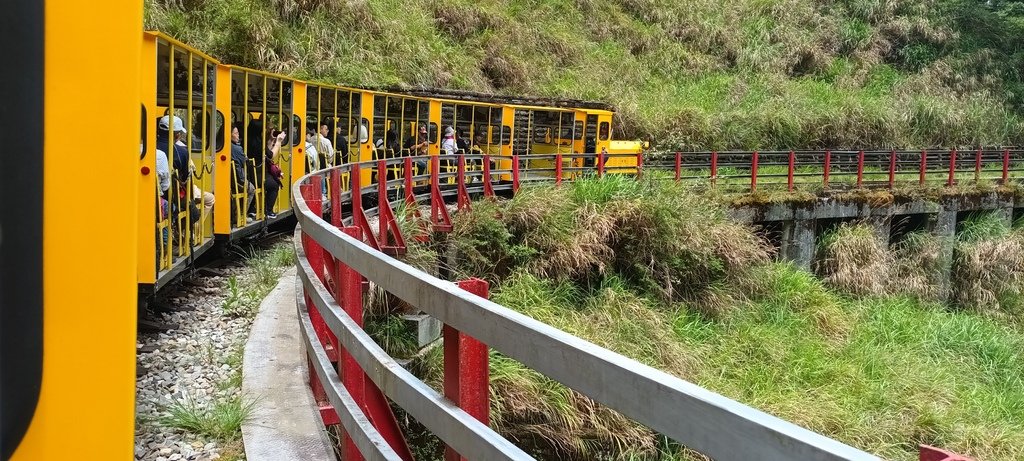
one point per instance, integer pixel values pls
(479, 142)
(272, 176)
(461, 141)
(180, 161)
(341, 150)
(163, 173)
(391, 144)
(198, 194)
(449, 146)
(418, 147)
(238, 169)
(364, 131)
(324, 148)
(313, 156)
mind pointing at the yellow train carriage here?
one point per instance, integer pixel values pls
(180, 126)
(69, 248)
(257, 104)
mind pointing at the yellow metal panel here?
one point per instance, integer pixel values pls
(222, 163)
(366, 149)
(86, 404)
(147, 187)
(435, 118)
(299, 151)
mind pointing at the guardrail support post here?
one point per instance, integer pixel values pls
(315, 255)
(350, 298)
(977, 166)
(358, 217)
(463, 194)
(488, 187)
(335, 186)
(952, 168)
(714, 168)
(828, 168)
(515, 174)
(790, 171)
(558, 169)
(600, 164)
(439, 217)
(639, 164)
(753, 172)
(1006, 166)
(389, 234)
(924, 167)
(679, 165)
(860, 168)
(466, 369)
(892, 168)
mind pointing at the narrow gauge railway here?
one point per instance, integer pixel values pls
(214, 105)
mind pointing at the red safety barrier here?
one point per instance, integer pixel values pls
(828, 168)
(460, 181)
(789, 174)
(679, 163)
(558, 169)
(892, 168)
(439, 217)
(753, 172)
(488, 187)
(358, 216)
(350, 298)
(389, 235)
(924, 167)
(639, 164)
(1006, 166)
(600, 164)
(860, 168)
(315, 256)
(714, 168)
(467, 369)
(952, 168)
(930, 453)
(515, 173)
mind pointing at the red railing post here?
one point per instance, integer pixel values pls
(558, 168)
(358, 216)
(714, 168)
(600, 164)
(678, 164)
(789, 174)
(407, 174)
(466, 369)
(977, 166)
(1006, 166)
(952, 168)
(892, 168)
(860, 168)
(515, 174)
(930, 453)
(924, 167)
(828, 168)
(462, 196)
(488, 187)
(350, 298)
(753, 172)
(639, 164)
(335, 186)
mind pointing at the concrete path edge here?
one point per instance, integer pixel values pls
(284, 424)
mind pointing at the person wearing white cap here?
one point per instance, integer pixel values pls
(180, 152)
(449, 145)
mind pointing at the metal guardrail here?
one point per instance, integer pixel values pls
(336, 258)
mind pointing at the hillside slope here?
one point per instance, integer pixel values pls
(695, 74)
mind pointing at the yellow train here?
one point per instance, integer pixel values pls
(116, 225)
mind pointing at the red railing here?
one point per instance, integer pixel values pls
(352, 378)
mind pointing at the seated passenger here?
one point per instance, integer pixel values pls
(163, 173)
(449, 146)
(312, 153)
(238, 163)
(272, 176)
(324, 148)
(461, 141)
(180, 162)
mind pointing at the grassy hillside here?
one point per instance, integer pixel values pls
(862, 352)
(697, 74)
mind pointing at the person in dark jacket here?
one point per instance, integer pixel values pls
(238, 169)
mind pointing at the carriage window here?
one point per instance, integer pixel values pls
(221, 132)
(297, 132)
(604, 131)
(579, 130)
(142, 142)
(432, 133)
(506, 135)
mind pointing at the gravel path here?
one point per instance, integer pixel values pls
(197, 364)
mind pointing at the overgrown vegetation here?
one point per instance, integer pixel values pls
(243, 296)
(220, 420)
(699, 74)
(866, 353)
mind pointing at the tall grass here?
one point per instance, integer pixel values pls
(698, 74)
